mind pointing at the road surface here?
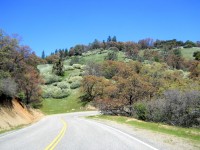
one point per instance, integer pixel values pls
(71, 132)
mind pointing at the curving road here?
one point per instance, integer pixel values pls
(71, 132)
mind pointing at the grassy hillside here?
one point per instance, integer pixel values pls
(188, 52)
(69, 104)
(61, 94)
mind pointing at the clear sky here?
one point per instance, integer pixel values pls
(50, 24)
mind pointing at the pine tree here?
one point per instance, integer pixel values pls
(114, 39)
(43, 55)
(109, 39)
(58, 68)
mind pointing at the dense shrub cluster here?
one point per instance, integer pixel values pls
(151, 92)
(175, 108)
(51, 78)
(53, 91)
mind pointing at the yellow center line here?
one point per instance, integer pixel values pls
(57, 139)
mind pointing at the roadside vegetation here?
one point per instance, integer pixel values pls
(19, 77)
(187, 133)
(154, 81)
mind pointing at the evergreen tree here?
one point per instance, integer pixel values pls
(58, 67)
(109, 39)
(114, 39)
(66, 52)
(43, 55)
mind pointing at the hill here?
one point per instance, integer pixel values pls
(62, 94)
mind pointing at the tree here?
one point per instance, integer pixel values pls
(111, 56)
(146, 43)
(52, 59)
(66, 52)
(131, 50)
(196, 55)
(133, 89)
(58, 68)
(96, 44)
(114, 39)
(189, 44)
(30, 85)
(43, 55)
(109, 39)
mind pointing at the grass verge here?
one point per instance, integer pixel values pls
(69, 104)
(188, 133)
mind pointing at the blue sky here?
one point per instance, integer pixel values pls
(50, 24)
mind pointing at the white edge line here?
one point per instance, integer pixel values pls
(123, 133)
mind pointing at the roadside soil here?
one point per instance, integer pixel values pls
(18, 115)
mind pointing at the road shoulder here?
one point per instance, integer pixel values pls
(160, 140)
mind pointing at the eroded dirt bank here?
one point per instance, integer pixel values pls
(17, 115)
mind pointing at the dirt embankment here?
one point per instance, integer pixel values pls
(17, 115)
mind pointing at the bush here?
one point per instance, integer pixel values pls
(75, 85)
(196, 55)
(49, 79)
(114, 49)
(63, 85)
(140, 110)
(74, 79)
(176, 108)
(54, 91)
(66, 68)
(77, 66)
(60, 93)
(8, 87)
(74, 60)
(112, 56)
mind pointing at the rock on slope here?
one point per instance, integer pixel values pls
(17, 115)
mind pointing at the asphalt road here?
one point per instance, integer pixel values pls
(70, 132)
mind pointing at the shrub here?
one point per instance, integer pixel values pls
(63, 85)
(176, 108)
(49, 78)
(8, 87)
(111, 56)
(74, 60)
(114, 49)
(66, 68)
(196, 55)
(140, 110)
(75, 85)
(54, 91)
(77, 66)
(75, 78)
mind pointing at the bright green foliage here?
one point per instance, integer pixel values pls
(140, 110)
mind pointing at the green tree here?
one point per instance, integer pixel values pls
(114, 39)
(109, 39)
(58, 68)
(196, 55)
(43, 55)
(111, 56)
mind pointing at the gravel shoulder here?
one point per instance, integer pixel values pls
(162, 141)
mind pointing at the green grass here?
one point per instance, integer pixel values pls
(100, 57)
(188, 133)
(188, 52)
(69, 104)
